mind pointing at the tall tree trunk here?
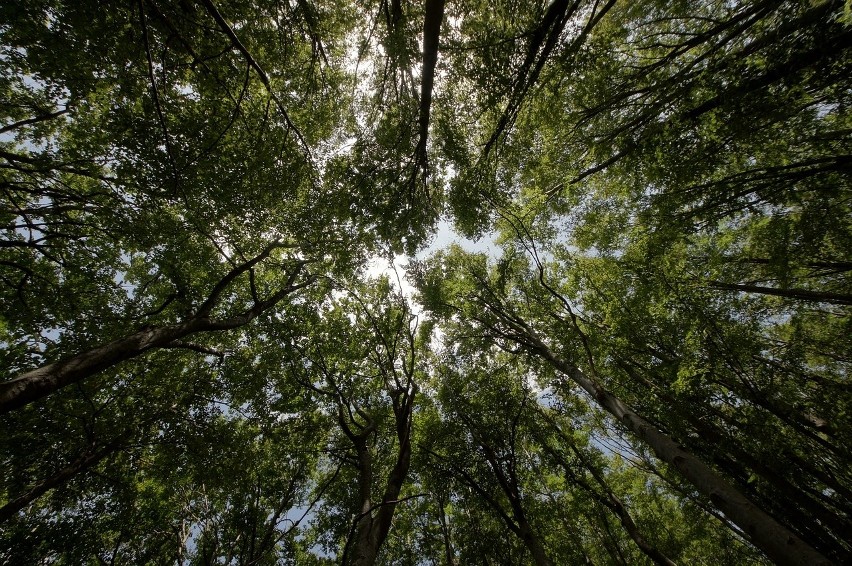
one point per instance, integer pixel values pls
(831, 45)
(779, 544)
(431, 32)
(833, 266)
(534, 545)
(774, 539)
(40, 382)
(35, 384)
(450, 554)
(371, 531)
(543, 38)
(365, 549)
(608, 499)
(741, 462)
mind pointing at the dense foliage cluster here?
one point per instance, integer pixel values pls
(653, 367)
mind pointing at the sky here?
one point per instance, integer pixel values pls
(444, 236)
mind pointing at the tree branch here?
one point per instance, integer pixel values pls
(264, 78)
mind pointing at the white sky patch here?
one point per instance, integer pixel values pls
(446, 235)
(395, 271)
(531, 381)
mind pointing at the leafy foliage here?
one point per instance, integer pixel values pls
(653, 368)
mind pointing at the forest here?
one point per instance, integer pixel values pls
(649, 364)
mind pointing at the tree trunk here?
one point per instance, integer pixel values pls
(766, 533)
(366, 549)
(833, 266)
(450, 554)
(431, 32)
(533, 543)
(778, 542)
(35, 384)
(512, 490)
(608, 499)
(40, 382)
(371, 531)
(799, 294)
(738, 461)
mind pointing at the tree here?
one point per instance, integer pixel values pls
(363, 358)
(487, 413)
(203, 368)
(493, 314)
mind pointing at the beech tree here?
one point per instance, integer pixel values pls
(202, 365)
(494, 318)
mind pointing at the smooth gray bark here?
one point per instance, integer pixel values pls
(40, 382)
(778, 542)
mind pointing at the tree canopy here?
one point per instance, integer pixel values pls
(652, 366)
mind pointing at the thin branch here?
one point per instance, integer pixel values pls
(160, 116)
(264, 78)
(35, 120)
